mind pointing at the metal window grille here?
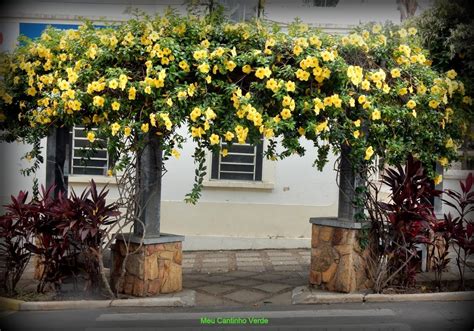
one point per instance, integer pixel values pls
(243, 162)
(96, 164)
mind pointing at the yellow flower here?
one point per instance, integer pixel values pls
(224, 152)
(285, 113)
(451, 74)
(214, 139)
(127, 131)
(449, 143)
(362, 99)
(195, 114)
(115, 127)
(376, 115)
(229, 136)
(412, 31)
(365, 85)
(327, 56)
(356, 134)
(230, 65)
(115, 105)
(321, 126)
(272, 84)
(402, 91)
(91, 136)
(98, 101)
(376, 28)
(246, 69)
(302, 75)
(263, 72)
(113, 84)
(197, 132)
(297, 50)
(413, 113)
(184, 65)
(210, 114)
(63, 84)
(123, 79)
(357, 123)
(395, 72)
(369, 152)
(204, 68)
(411, 104)
(145, 127)
(438, 179)
(443, 161)
(110, 173)
(290, 86)
(433, 104)
(132, 93)
(205, 43)
(175, 153)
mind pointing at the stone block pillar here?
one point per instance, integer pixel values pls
(337, 262)
(155, 267)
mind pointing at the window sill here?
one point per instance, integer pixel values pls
(238, 184)
(85, 179)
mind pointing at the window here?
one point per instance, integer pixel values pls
(83, 160)
(243, 162)
(321, 3)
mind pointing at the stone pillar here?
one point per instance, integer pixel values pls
(337, 262)
(153, 259)
(154, 268)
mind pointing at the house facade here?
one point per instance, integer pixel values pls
(248, 202)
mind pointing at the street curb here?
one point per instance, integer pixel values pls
(307, 295)
(446, 296)
(63, 305)
(186, 298)
(10, 304)
(304, 295)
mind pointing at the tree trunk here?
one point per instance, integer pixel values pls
(150, 163)
(407, 8)
(55, 157)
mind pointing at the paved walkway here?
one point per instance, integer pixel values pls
(254, 278)
(253, 260)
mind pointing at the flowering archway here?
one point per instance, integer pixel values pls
(370, 93)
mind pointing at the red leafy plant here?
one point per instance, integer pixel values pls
(460, 229)
(15, 232)
(411, 216)
(68, 234)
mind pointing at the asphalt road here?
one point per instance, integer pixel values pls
(366, 316)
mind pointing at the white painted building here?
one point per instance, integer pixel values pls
(268, 213)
